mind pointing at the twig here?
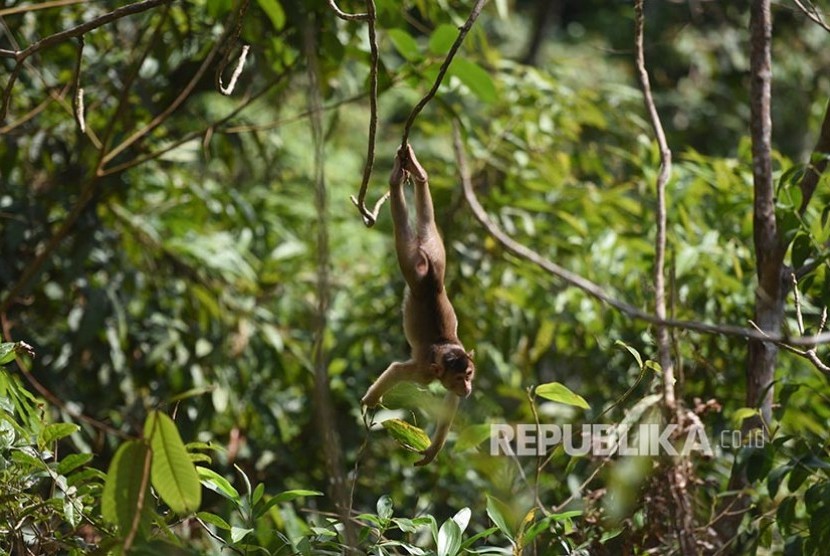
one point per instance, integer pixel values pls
(369, 218)
(21, 55)
(227, 49)
(663, 342)
(813, 172)
(128, 82)
(462, 32)
(676, 472)
(812, 13)
(247, 101)
(236, 73)
(164, 114)
(39, 6)
(349, 17)
(595, 290)
(78, 105)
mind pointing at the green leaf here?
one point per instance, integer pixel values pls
(274, 11)
(123, 496)
(476, 78)
(54, 432)
(6, 352)
(495, 511)
(442, 38)
(559, 393)
(634, 353)
(239, 533)
(384, 507)
(405, 44)
(472, 436)
(72, 462)
(173, 474)
(739, 415)
(462, 518)
(287, 496)
(214, 520)
(407, 435)
(449, 538)
(218, 484)
(801, 250)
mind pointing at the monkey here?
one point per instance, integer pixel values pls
(429, 321)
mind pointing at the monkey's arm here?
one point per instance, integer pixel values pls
(395, 373)
(448, 411)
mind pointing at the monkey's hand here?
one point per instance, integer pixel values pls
(369, 400)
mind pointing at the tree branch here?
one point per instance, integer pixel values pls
(815, 169)
(594, 290)
(369, 218)
(462, 32)
(21, 55)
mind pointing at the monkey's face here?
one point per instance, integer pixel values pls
(457, 372)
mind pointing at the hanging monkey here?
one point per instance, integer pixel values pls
(429, 321)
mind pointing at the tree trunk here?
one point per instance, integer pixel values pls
(769, 256)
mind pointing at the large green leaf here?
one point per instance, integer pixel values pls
(123, 498)
(173, 474)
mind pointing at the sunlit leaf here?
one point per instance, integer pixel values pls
(173, 474)
(556, 392)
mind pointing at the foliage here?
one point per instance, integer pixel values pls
(177, 298)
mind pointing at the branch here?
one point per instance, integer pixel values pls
(350, 17)
(663, 344)
(369, 218)
(813, 13)
(226, 53)
(814, 171)
(40, 6)
(78, 105)
(247, 101)
(462, 32)
(21, 55)
(571, 278)
(676, 473)
(164, 114)
(240, 64)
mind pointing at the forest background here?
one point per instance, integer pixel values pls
(635, 215)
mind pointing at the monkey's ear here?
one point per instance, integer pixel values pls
(437, 370)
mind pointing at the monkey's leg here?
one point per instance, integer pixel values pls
(423, 199)
(395, 373)
(404, 239)
(448, 411)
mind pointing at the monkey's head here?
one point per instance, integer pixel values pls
(455, 369)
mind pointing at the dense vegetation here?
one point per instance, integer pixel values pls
(192, 307)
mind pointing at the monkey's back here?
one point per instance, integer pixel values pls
(428, 317)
